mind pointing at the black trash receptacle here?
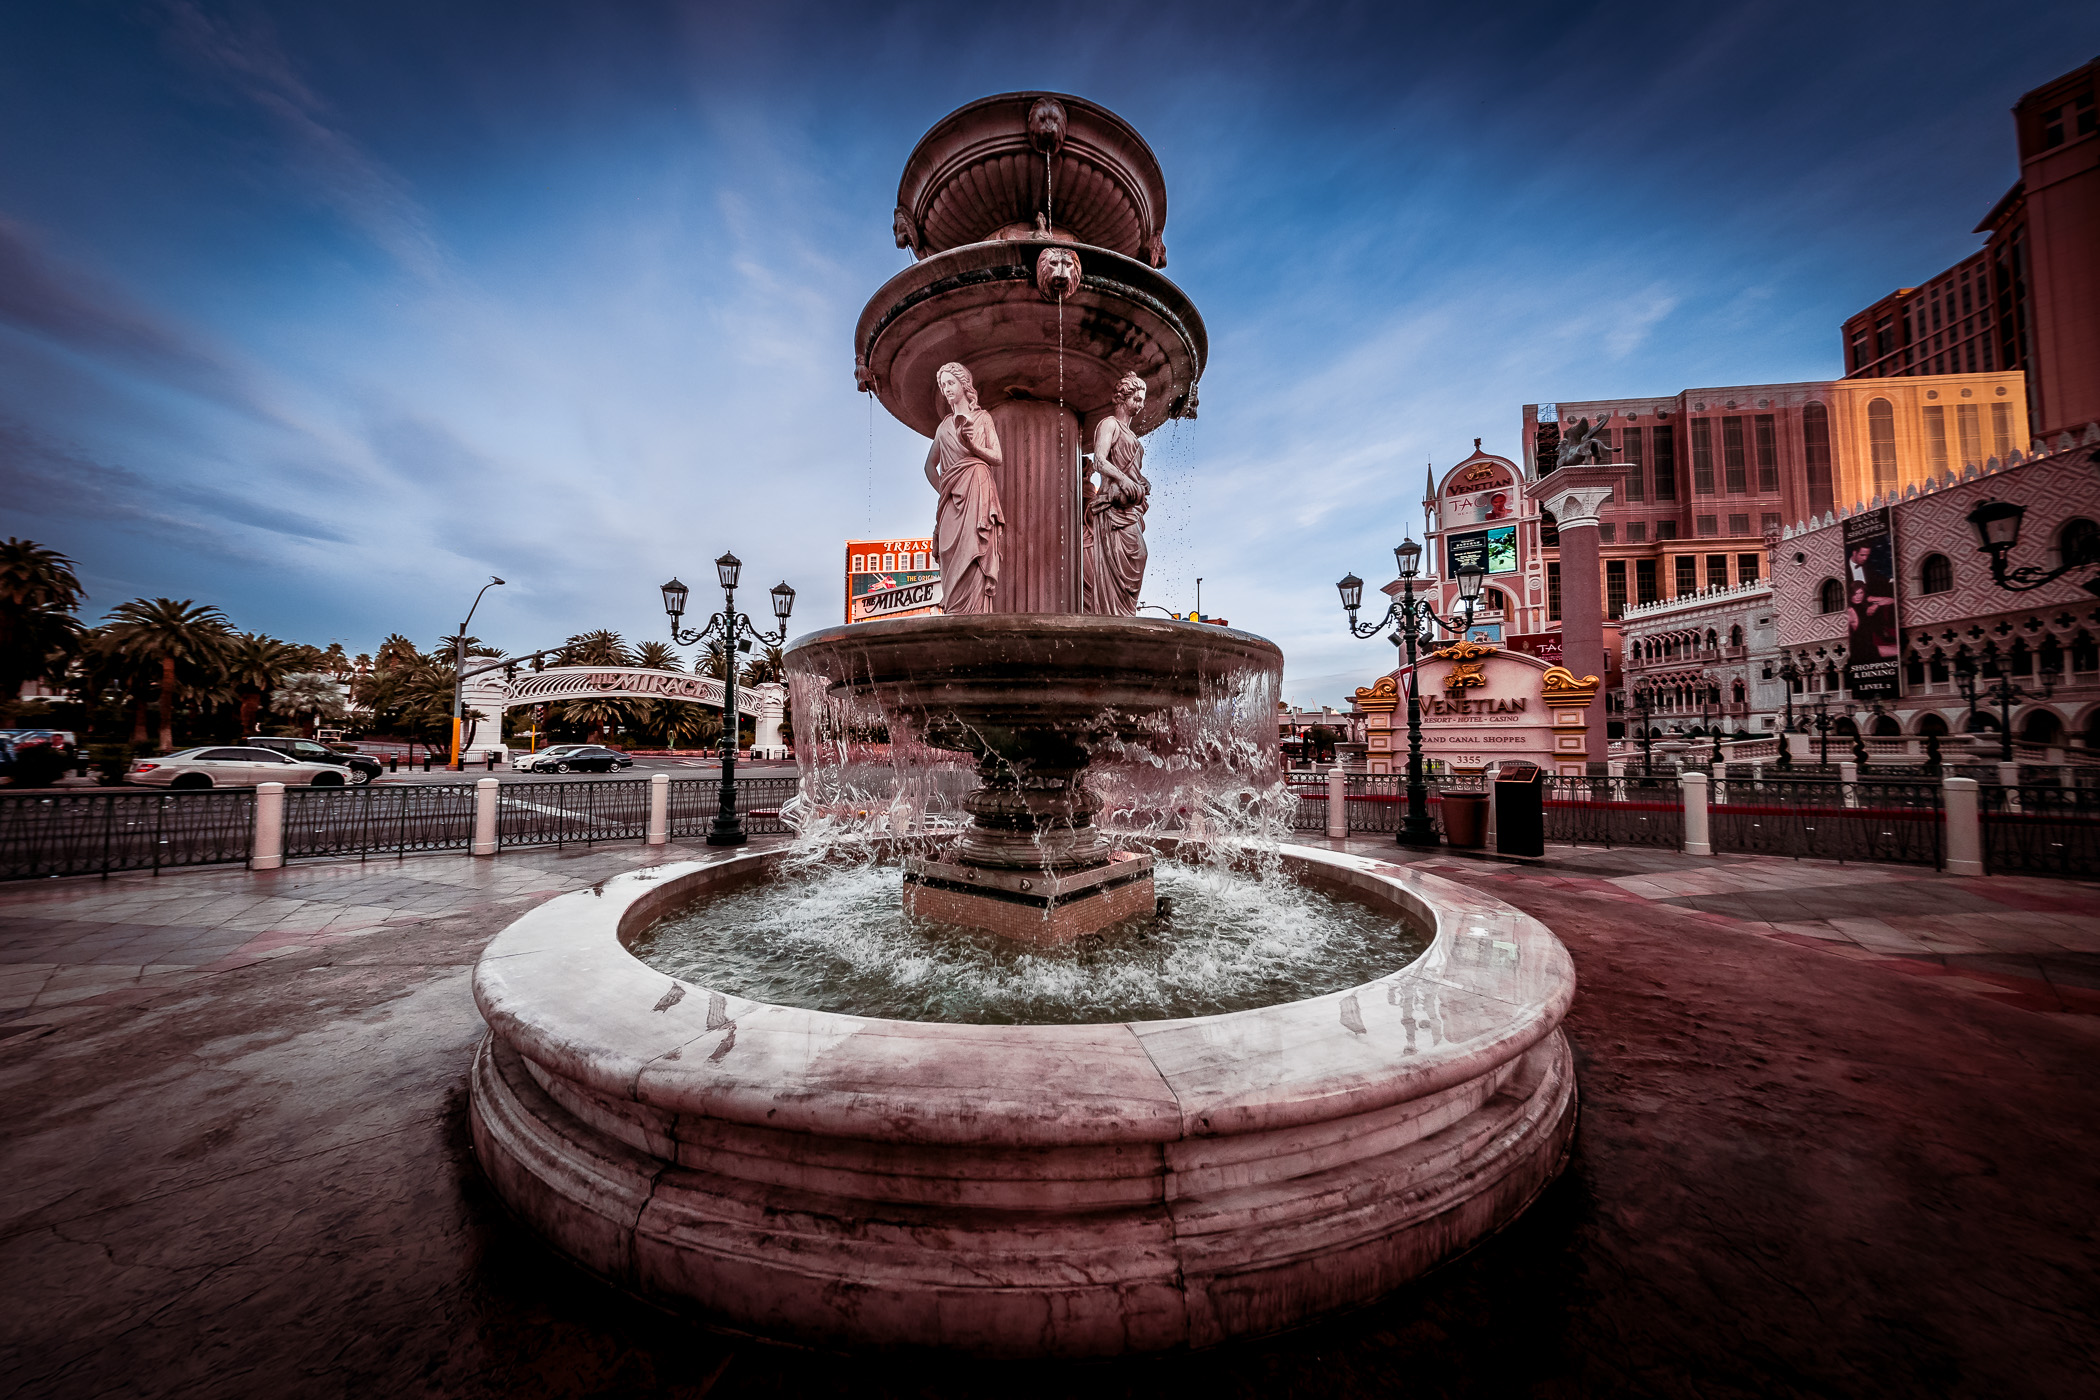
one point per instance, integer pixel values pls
(1520, 809)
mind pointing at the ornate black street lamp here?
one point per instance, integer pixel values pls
(2001, 692)
(1411, 614)
(1823, 726)
(1644, 697)
(735, 632)
(1997, 526)
(1790, 674)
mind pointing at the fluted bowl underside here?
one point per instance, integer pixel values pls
(1013, 671)
(979, 305)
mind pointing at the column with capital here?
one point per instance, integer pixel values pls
(1575, 495)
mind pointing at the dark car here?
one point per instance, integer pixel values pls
(587, 758)
(363, 767)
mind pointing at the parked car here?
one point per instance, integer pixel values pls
(573, 758)
(363, 767)
(233, 767)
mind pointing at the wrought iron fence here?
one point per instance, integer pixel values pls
(87, 833)
(1873, 821)
(2040, 830)
(1635, 811)
(694, 802)
(559, 813)
(368, 821)
(1378, 801)
(1309, 812)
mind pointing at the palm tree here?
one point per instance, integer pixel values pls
(314, 693)
(658, 656)
(187, 641)
(38, 595)
(769, 665)
(255, 664)
(599, 648)
(396, 650)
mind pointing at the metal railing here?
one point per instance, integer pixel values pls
(1378, 801)
(89, 833)
(694, 802)
(2040, 830)
(1636, 811)
(1863, 821)
(561, 812)
(368, 821)
(1309, 812)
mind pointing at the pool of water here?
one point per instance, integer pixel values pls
(833, 936)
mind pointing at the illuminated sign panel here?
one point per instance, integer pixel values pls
(891, 578)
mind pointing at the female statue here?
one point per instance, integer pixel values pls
(1115, 509)
(968, 524)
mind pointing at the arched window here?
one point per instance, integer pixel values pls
(1735, 636)
(1738, 692)
(1815, 454)
(1881, 444)
(1886, 727)
(1713, 639)
(2042, 727)
(1932, 724)
(1832, 597)
(1495, 601)
(2079, 542)
(1936, 574)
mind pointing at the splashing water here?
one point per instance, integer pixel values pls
(831, 935)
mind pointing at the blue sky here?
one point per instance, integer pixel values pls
(326, 313)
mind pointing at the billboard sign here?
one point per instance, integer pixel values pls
(1872, 644)
(1479, 495)
(1494, 550)
(891, 578)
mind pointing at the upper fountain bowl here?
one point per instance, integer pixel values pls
(981, 172)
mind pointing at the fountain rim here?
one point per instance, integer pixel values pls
(561, 985)
(969, 267)
(1060, 627)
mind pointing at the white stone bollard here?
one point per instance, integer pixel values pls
(659, 808)
(485, 816)
(1697, 841)
(1337, 803)
(1848, 775)
(1964, 826)
(267, 853)
(2009, 779)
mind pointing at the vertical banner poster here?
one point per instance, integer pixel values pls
(1871, 641)
(891, 578)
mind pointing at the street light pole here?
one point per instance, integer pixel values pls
(2001, 692)
(736, 634)
(1410, 612)
(459, 677)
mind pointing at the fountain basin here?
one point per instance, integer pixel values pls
(1020, 1190)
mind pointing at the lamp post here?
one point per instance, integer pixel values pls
(1410, 613)
(1790, 675)
(736, 634)
(2001, 692)
(1997, 526)
(459, 674)
(1644, 700)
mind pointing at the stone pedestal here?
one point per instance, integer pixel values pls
(1039, 496)
(1046, 907)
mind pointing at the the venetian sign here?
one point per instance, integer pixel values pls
(1481, 705)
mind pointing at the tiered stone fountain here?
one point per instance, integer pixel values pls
(1027, 1189)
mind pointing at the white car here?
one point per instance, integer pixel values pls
(545, 760)
(230, 767)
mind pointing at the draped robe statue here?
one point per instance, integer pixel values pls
(1114, 539)
(968, 524)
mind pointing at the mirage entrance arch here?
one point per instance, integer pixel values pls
(487, 696)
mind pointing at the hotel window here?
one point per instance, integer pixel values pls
(1553, 591)
(1716, 571)
(1687, 574)
(1859, 348)
(1739, 524)
(1936, 575)
(1748, 567)
(1703, 456)
(1881, 444)
(1830, 597)
(1636, 489)
(1936, 439)
(1663, 443)
(1732, 460)
(1644, 584)
(1768, 521)
(1884, 337)
(1815, 455)
(1970, 432)
(1614, 587)
(1608, 533)
(1636, 532)
(1706, 524)
(1765, 434)
(2001, 424)
(1666, 529)
(856, 565)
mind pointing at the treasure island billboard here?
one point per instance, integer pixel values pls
(891, 578)
(1872, 647)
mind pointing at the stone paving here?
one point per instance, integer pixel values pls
(1839, 1126)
